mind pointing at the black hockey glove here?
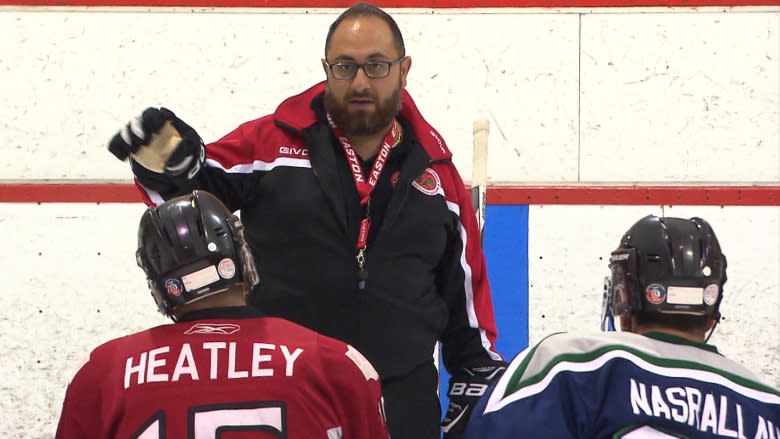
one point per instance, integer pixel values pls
(160, 142)
(466, 387)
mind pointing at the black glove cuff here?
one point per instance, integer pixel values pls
(187, 159)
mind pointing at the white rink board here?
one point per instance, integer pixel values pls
(74, 284)
(674, 97)
(571, 96)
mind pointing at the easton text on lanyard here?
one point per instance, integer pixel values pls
(365, 186)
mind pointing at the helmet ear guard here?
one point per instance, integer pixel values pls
(607, 312)
(617, 301)
(249, 270)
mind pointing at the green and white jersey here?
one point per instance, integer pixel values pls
(624, 385)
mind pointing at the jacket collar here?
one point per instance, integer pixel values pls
(295, 112)
(228, 312)
(670, 338)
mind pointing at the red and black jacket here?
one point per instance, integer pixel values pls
(288, 176)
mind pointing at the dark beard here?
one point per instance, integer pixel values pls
(363, 123)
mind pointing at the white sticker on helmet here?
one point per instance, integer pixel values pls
(200, 278)
(226, 268)
(711, 294)
(684, 295)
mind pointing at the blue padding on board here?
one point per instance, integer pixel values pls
(506, 251)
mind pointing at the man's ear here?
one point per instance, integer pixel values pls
(406, 64)
(325, 67)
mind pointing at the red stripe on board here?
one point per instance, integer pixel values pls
(637, 195)
(566, 195)
(396, 3)
(69, 193)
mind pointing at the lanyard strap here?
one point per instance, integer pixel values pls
(365, 185)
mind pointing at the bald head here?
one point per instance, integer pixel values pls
(367, 10)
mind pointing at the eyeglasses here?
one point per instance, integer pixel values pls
(372, 69)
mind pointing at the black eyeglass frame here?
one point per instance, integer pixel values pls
(359, 66)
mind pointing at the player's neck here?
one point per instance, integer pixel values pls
(234, 297)
(369, 146)
(694, 336)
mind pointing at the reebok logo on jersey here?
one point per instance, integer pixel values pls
(213, 328)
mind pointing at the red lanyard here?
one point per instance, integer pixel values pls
(365, 186)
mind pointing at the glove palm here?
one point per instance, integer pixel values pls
(160, 142)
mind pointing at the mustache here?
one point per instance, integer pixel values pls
(361, 94)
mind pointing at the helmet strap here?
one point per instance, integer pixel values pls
(714, 325)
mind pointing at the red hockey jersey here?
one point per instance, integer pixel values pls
(224, 377)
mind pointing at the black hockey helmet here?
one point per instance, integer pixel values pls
(665, 265)
(191, 247)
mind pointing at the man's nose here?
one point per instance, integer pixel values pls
(361, 81)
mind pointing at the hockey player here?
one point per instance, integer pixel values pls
(222, 366)
(657, 378)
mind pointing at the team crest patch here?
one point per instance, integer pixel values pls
(655, 293)
(428, 182)
(173, 287)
